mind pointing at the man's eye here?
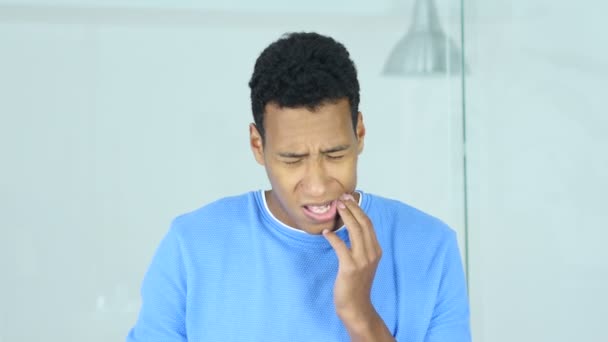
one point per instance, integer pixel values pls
(335, 157)
(292, 161)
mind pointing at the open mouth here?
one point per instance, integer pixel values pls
(321, 212)
(319, 209)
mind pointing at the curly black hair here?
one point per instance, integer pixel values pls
(303, 69)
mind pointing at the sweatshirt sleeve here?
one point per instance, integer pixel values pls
(450, 321)
(163, 294)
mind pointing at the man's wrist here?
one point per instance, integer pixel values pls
(367, 327)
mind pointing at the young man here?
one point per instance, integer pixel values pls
(312, 259)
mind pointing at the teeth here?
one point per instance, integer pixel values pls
(319, 209)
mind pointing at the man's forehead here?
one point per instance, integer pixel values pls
(303, 142)
(299, 128)
(312, 107)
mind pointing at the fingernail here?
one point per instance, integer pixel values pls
(325, 231)
(348, 197)
(341, 205)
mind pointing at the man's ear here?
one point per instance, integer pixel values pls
(360, 132)
(256, 144)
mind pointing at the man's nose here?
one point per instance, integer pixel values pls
(315, 180)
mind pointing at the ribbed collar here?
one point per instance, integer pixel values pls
(296, 235)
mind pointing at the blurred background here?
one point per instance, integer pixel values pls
(117, 116)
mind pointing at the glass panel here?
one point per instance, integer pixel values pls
(538, 160)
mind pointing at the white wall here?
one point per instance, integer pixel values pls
(264, 7)
(115, 121)
(538, 152)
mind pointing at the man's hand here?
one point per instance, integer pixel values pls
(357, 268)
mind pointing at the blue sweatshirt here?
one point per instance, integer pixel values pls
(230, 271)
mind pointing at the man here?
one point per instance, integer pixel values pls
(312, 259)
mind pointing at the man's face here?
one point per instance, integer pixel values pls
(311, 159)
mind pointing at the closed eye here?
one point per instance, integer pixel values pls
(335, 157)
(292, 161)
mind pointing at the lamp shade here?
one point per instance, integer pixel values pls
(425, 49)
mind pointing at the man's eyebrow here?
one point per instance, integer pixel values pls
(302, 155)
(336, 149)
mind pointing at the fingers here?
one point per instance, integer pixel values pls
(338, 245)
(366, 223)
(355, 231)
(363, 235)
(362, 220)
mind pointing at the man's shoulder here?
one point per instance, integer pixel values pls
(220, 212)
(405, 217)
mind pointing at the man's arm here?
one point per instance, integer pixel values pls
(450, 321)
(356, 271)
(163, 294)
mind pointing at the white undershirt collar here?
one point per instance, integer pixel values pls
(263, 195)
